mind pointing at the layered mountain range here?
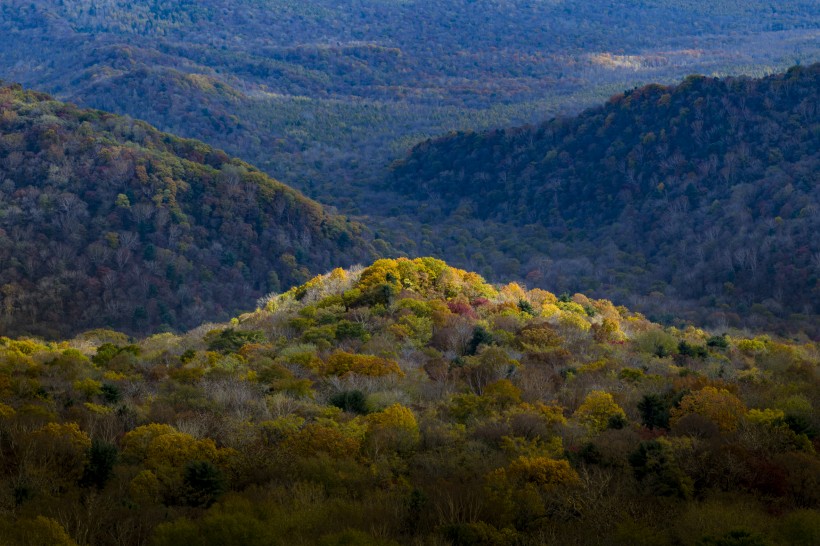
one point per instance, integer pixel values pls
(319, 93)
(694, 202)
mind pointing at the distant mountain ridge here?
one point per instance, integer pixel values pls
(322, 94)
(106, 221)
(707, 191)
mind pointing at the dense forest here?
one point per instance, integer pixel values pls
(106, 221)
(412, 403)
(705, 192)
(325, 94)
(174, 372)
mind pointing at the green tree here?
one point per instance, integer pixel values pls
(101, 460)
(654, 411)
(353, 401)
(655, 465)
(203, 482)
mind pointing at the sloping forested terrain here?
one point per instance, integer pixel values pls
(318, 93)
(412, 403)
(707, 191)
(106, 221)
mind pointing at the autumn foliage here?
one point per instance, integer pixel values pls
(438, 410)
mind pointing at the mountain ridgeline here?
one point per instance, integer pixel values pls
(705, 192)
(106, 221)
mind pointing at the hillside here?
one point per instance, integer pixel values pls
(412, 403)
(705, 194)
(316, 92)
(106, 221)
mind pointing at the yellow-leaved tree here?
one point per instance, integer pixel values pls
(394, 429)
(39, 531)
(717, 405)
(342, 363)
(62, 450)
(324, 438)
(599, 411)
(528, 488)
(174, 462)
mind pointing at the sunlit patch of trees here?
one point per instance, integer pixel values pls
(333, 414)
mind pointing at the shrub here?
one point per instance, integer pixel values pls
(350, 401)
(230, 340)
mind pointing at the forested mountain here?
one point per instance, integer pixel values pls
(320, 93)
(707, 191)
(412, 403)
(106, 221)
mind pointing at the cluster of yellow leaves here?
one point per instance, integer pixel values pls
(542, 297)
(99, 409)
(503, 393)
(717, 405)
(393, 428)
(161, 446)
(342, 363)
(135, 443)
(535, 447)
(594, 366)
(766, 416)
(751, 346)
(571, 307)
(539, 338)
(573, 324)
(88, 387)
(337, 441)
(395, 416)
(512, 292)
(424, 275)
(419, 329)
(6, 412)
(165, 452)
(280, 428)
(67, 434)
(542, 471)
(608, 331)
(36, 531)
(316, 287)
(597, 409)
(24, 346)
(15, 358)
(303, 355)
(554, 415)
(62, 447)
